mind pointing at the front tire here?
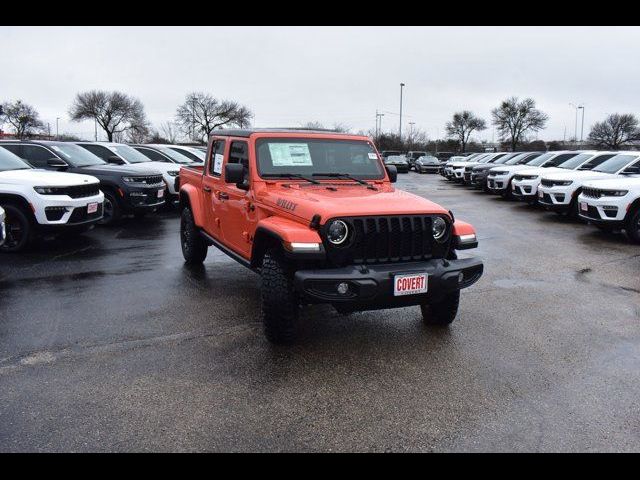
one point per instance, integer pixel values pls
(20, 230)
(441, 313)
(633, 226)
(279, 301)
(194, 248)
(112, 211)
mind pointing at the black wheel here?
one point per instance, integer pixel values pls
(442, 312)
(279, 301)
(112, 209)
(194, 248)
(20, 229)
(633, 225)
(507, 194)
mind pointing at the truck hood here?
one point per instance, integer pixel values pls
(305, 201)
(577, 175)
(615, 184)
(154, 167)
(44, 178)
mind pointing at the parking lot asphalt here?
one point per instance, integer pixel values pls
(108, 342)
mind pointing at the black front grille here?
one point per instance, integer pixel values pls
(519, 178)
(149, 180)
(468, 169)
(592, 192)
(77, 191)
(550, 183)
(387, 239)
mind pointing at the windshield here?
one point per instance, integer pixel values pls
(175, 156)
(536, 162)
(130, 154)
(192, 153)
(613, 165)
(504, 159)
(10, 161)
(305, 156)
(515, 159)
(576, 161)
(76, 155)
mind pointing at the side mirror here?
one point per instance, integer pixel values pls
(632, 170)
(392, 171)
(56, 163)
(115, 160)
(234, 173)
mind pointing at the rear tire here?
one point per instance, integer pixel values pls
(633, 226)
(194, 248)
(443, 312)
(20, 230)
(279, 301)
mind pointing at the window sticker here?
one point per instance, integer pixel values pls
(290, 154)
(373, 156)
(217, 163)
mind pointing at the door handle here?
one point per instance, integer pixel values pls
(223, 196)
(206, 189)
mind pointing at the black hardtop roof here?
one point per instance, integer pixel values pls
(250, 131)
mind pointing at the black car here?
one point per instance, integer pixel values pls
(414, 155)
(398, 161)
(126, 191)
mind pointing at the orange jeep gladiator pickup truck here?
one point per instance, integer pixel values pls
(317, 216)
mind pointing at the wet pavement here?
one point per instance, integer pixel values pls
(108, 342)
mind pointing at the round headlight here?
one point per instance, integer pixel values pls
(337, 232)
(439, 229)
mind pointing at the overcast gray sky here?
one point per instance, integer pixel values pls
(291, 75)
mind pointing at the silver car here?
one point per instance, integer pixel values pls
(3, 228)
(428, 163)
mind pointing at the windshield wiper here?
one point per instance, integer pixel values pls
(290, 175)
(346, 175)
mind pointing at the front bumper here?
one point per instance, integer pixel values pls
(609, 210)
(62, 210)
(371, 287)
(526, 190)
(427, 168)
(142, 199)
(479, 179)
(498, 184)
(555, 198)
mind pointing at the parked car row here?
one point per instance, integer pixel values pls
(599, 187)
(49, 187)
(420, 161)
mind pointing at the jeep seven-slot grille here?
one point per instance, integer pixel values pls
(77, 191)
(387, 239)
(592, 192)
(550, 183)
(149, 180)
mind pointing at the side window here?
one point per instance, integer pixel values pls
(217, 156)
(153, 155)
(633, 168)
(99, 150)
(37, 156)
(561, 158)
(594, 162)
(15, 149)
(239, 153)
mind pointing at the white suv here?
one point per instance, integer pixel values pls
(525, 184)
(122, 154)
(499, 178)
(611, 204)
(37, 202)
(558, 191)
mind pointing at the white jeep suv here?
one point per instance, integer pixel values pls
(37, 202)
(558, 191)
(611, 204)
(525, 184)
(122, 154)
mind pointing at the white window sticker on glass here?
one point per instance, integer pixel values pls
(217, 163)
(290, 154)
(373, 156)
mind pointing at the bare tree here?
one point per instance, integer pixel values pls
(514, 118)
(169, 131)
(24, 118)
(463, 125)
(615, 131)
(201, 113)
(416, 139)
(115, 112)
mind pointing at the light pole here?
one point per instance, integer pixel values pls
(57, 131)
(400, 129)
(582, 126)
(575, 131)
(378, 123)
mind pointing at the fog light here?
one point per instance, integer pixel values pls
(343, 288)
